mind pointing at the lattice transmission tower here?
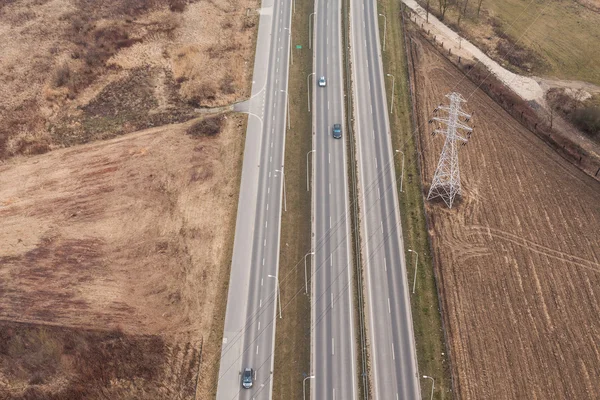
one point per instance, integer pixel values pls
(446, 180)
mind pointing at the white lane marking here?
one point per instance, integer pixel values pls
(329, 222)
(328, 105)
(258, 325)
(327, 60)
(268, 190)
(332, 346)
(384, 264)
(371, 109)
(376, 163)
(331, 260)
(263, 261)
(333, 393)
(371, 113)
(261, 283)
(270, 158)
(266, 223)
(329, 158)
(269, 174)
(332, 301)
(267, 206)
(265, 245)
(330, 188)
(381, 226)
(271, 146)
(260, 304)
(328, 37)
(256, 349)
(373, 134)
(378, 193)
(277, 70)
(389, 307)
(393, 355)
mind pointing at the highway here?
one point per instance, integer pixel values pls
(333, 339)
(250, 318)
(392, 353)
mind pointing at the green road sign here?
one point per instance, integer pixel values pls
(298, 46)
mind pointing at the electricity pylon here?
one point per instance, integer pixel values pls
(446, 180)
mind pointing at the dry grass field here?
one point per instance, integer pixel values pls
(518, 258)
(72, 71)
(543, 38)
(114, 260)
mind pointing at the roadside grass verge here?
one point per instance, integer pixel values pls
(292, 337)
(431, 352)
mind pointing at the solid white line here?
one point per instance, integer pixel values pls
(389, 307)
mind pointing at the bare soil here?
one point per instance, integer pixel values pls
(118, 253)
(73, 71)
(517, 259)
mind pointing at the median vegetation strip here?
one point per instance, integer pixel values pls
(431, 350)
(292, 339)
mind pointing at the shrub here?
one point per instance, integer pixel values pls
(209, 126)
(588, 120)
(62, 76)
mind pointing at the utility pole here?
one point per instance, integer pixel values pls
(446, 180)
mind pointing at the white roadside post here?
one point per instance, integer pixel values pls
(278, 292)
(416, 266)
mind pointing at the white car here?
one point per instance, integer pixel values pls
(322, 82)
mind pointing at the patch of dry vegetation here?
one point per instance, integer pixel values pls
(582, 112)
(130, 239)
(62, 58)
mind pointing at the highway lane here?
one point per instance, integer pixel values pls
(250, 319)
(333, 342)
(393, 363)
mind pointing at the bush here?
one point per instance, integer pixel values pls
(210, 126)
(588, 120)
(62, 76)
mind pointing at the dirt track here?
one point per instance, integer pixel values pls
(518, 258)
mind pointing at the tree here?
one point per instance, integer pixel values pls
(463, 12)
(479, 7)
(443, 7)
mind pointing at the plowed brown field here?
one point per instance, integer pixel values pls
(518, 257)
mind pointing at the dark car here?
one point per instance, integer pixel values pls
(247, 378)
(337, 131)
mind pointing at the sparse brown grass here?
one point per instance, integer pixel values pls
(130, 235)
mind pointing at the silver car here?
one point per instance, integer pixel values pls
(322, 81)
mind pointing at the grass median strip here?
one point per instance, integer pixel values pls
(292, 339)
(431, 350)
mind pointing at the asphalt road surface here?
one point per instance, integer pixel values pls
(393, 363)
(333, 341)
(249, 332)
